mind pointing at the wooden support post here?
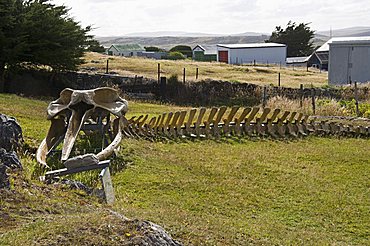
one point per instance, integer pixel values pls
(184, 76)
(107, 67)
(306, 66)
(313, 100)
(163, 87)
(107, 185)
(264, 97)
(356, 99)
(159, 73)
(301, 96)
(279, 80)
(196, 73)
(254, 62)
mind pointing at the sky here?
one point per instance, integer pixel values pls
(120, 17)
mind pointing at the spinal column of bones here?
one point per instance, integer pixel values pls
(69, 113)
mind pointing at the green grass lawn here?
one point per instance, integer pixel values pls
(312, 191)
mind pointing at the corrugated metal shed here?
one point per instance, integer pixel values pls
(344, 40)
(301, 59)
(251, 45)
(349, 60)
(263, 53)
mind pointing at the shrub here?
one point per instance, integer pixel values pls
(173, 80)
(175, 56)
(183, 49)
(350, 108)
(153, 49)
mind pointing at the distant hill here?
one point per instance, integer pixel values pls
(168, 42)
(186, 34)
(347, 32)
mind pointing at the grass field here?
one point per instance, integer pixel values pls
(219, 71)
(312, 191)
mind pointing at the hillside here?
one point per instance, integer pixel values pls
(346, 32)
(168, 42)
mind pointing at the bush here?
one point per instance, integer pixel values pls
(153, 49)
(350, 107)
(183, 49)
(175, 56)
(173, 80)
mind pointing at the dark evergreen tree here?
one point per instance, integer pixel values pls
(298, 38)
(36, 32)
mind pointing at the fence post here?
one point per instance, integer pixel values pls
(107, 67)
(313, 100)
(301, 96)
(279, 80)
(196, 73)
(264, 97)
(254, 62)
(184, 76)
(159, 73)
(306, 66)
(163, 87)
(356, 99)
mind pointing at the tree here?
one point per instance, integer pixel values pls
(11, 37)
(95, 46)
(298, 38)
(183, 49)
(36, 32)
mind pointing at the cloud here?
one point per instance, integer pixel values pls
(117, 17)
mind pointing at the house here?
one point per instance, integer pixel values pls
(297, 61)
(252, 53)
(320, 58)
(125, 49)
(349, 60)
(205, 53)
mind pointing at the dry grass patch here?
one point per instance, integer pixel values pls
(207, 70)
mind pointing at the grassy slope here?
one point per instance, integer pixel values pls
(206, 192)
(219, 71)
(36, 214)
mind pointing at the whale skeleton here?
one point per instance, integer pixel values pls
(73, 111)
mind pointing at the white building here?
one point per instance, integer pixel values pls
(125, 49)
(349, 60)
(266, 53)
